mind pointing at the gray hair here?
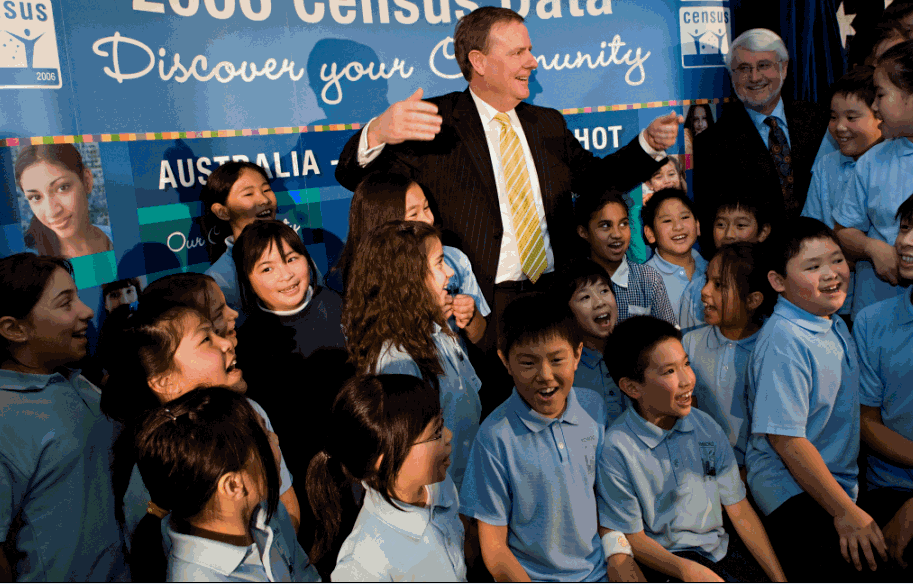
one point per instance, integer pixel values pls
(758, 40)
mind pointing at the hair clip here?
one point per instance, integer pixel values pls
(173, 417)
(153, 509)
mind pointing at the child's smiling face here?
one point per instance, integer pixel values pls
(608, 233)
(816, 278)
(665, 393)
(675, 230)
(543, 373)
(594, 307)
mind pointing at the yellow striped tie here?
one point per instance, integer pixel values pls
(523, 211)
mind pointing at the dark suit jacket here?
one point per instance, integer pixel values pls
(456, 173)
(731, 155)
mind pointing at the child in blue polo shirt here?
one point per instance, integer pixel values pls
(532, 470)
(587, 289)
(667, 470)
(884, 336)
(603, 223)
(855, 129)
(672, 228)
(57, 512)
(738, 217)
(737, 299)
(803, 399)
(236, 194)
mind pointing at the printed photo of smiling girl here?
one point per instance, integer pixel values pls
(63, 208)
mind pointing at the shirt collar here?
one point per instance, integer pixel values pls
(17, 381)
(294, 311)
(590, 358)
(536, 422)
(716, 339)
(668, 267)
(650, 434)
(902, 146)
(620, 277)
(758, 118)
(411, 520)
(488, 113)
(845, 161)
(802, 317)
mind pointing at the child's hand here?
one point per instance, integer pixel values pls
(448, 306)
(857, 529)
(694, 572)
(464, 308)
(884, 258)
(898, 532)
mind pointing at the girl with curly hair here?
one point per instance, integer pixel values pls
(395, 318)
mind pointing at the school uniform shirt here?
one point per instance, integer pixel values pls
(721, 368)
(882, 180)
(675, 279)
(803, 381)
(275, 555)
(638, 290)
(418, 544)
(884, 336)
(593, 374)
(832, 176)
(55, 480)
(691, 307)
(537, 475)
(459, 392)
(137, 497)
(226, 276)
(671, 484)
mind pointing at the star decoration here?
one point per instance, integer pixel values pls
(845, 20)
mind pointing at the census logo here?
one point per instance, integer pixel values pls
(28, 45)
(705, 33)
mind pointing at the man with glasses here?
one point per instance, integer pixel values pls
(762, 142)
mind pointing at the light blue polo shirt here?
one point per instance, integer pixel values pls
(675, 279)
(721, 368)
(593, 374)
(671, 484)
(464, 279)
(832, 176)
(883, 179)
(459, 392)
(757, 118)
(226, 276)
(537, 476)
(691, 307)
(55, 447)
(415, 544)
(275, 555)
(803, 381)
(884, 337)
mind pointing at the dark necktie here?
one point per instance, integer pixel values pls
(779, 149)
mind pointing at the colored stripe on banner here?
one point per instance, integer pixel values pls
(163, 213)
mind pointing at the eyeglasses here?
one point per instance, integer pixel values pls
(764, 67)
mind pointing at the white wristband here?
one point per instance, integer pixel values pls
(615, 542)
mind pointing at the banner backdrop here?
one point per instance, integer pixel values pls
(156, 94)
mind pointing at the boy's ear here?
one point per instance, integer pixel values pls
(630, 388)
(13, 330)
(777, 282)
(220, 211)
(754, 300)
(697, 224)
(231, 485)
(578, 353)
(764, 232)
(504, 360)
(649, 235)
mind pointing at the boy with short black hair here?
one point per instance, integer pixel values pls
(672, 229)
(586, 288)
(803, 400)
(532, 470)
(667, 471)
(884, 336)
(603, 223)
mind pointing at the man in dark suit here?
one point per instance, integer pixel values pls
(762, 143)
(452, 146)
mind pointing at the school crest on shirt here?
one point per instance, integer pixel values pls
(708, 458)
